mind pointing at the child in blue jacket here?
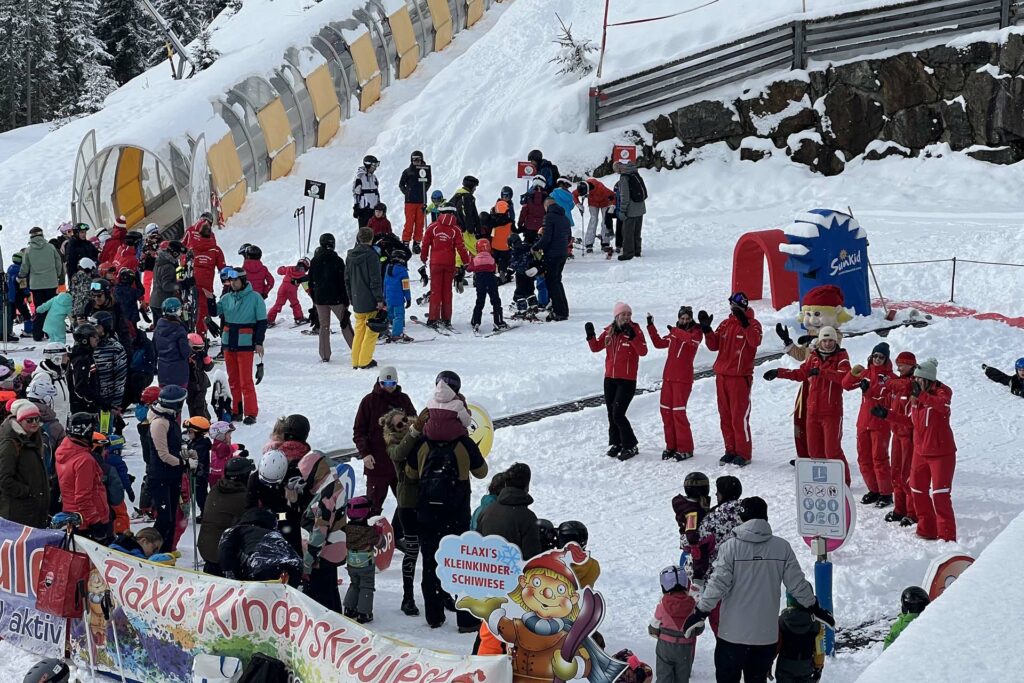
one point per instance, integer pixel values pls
(397, 295)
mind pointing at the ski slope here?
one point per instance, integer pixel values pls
(482, 108)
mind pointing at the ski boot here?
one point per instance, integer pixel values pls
(415, 247)
(404, 339)
(869, 498)
(476, 327)
(613, 451)
(447, 324)
(908, 521)
(628, 453)
(364, 618)
(434, 324)
(884, 501)
(893, 516)
(500, 325)
(350, 613)
(249, 420)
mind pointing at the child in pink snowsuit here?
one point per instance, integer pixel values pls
(449, 415)
(288, 291)
(222, 451)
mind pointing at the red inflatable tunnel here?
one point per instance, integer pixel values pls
(748, 268)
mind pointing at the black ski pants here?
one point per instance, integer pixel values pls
(431, 533)
(553, 278)
(618, 394)
(482, 292)
(752, 662)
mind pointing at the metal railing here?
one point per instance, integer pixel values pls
(954, 260)
(791, 45)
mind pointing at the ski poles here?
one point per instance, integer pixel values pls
(300, 225)
(192, 505)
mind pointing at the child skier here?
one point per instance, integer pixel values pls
(127, 296)
(683, 341)
(288, 292)
(199, 363)
(912, 603)
(57, 311)
(531, 291)
(197, 441)
(221, 451)
(361, 539)
(1014, 381)
(256, 273)
(449, 414)
(379, 222)
(397, 295)
(690, 508)
(485, 279)
(801, 655)
(674, 651)
(436, 202)
(503, 218)
(80, 283)
(17, 298)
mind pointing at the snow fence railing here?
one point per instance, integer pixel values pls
(340, 455)
(954, 260)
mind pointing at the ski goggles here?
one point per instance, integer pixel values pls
(389, 383)
(95, 287)
(739, 299)
(229, 274)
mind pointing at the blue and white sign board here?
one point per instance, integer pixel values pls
(347, 476)
(478, 566)
(821, 498)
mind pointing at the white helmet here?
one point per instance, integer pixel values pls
(539, 181)
(151, 228)
(273, 467)
(86, 263)
(54, 349)
(41, 391)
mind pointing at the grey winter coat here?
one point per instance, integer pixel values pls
(165, 278)
(362, 278)
(41, 264)
(746, 580)
(627, 207)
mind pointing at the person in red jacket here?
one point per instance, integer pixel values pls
(288, 291)
(207, 262)
(873, 431)
(115, 241)
(736, 341)
(128, 255)
(440, 243)
(682, 342)
(599, 199)
(81, 480)
(193, 231)
(257, 274)
(379, 222)
(934, 454)
(824, 371)
(623, 343)
(895, 409)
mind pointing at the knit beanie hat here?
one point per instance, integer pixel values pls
(882, 348)
(906, 358)
(23, 410)
(621, 307)
(928, 369)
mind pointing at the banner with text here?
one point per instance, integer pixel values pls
(21, 624)
(165, 616)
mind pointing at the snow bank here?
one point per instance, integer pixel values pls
(957, 638)
(14, 141)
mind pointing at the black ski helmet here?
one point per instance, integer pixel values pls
(327, 241)
(100, 284)
(84, 332)
(451, 379)
(133, 238)
(548, 535)
(295, 428)
(379, 323)
(105, 320)
(81, 426)
(535, 155)
(176, 248)
(470, 182)
(370, 160)
(244, 248)
(582, 188)
(696, 485)
(506, 192)
(729, 488)
(50, 670)
(416, 156)
(253, 252)
(573, 532)
(914, 600)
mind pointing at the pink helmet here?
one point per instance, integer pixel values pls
(359, 508)
(28, 366)
(195, 340)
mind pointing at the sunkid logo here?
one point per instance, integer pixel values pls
(846, 262)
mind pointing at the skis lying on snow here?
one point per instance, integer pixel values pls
(495, 333)
(309, 332)
(446, 331)
(382, 341)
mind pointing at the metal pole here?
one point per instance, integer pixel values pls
(309, 234)
(952, 283)
(604, 38)
(3, 289)
(823, 591)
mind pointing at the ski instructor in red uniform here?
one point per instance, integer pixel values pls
(440, 242)
(207, 262)
(934, 454)
(736, 341)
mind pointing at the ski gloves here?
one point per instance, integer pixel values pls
(259, 372)
(589, 327)
(424, 280)
(770, 375)
(212, 326)
(880, 412)
(783, 332)
(704, 320)
(821, 614)
(694, 624)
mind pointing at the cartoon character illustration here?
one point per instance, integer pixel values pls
(481, 429)
(551, 641)
(97, 623)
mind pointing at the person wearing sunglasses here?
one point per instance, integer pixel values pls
(368, 435)
(873, 432)
(24, 481)
(245, 324)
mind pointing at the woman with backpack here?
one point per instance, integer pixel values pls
(632, 194)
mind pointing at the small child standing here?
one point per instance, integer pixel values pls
(362, 539)
(288, 292)
(80, 283)
(148, 398)
(196, 440)
(397, 295)
(801, 654)
(17, 298)
(449, 414)
(434, 207)
(222, 450)
(258, 275)
(485, 279)
(199, 363)
(127, 296)
(690, 508)
(379, 222)
(674, 651)
(57, 311)
(912, 603)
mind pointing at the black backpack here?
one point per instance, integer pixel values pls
(264, 669)
(439, 478)
(637, 188)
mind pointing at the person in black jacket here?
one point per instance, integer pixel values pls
(510, 516)
(83, 384)
(79, 247)
(466, 214)
(553, 242)
(327, 290)
(414, 184)
(1014, 381)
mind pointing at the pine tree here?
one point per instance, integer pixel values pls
(130, 36)
(185, 17)
(203, 53)
(81, 64)
(28, 84)
(573, 53)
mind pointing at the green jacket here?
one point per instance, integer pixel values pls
(400, 446)
(245, 320)
(41, 265)
(362, 278)
(898, 627)
(24, 484)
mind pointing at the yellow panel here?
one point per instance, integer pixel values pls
(369, 93)
(365, 59)
(226, 170)
(405, 42)
(474, 11)
(277, 132)
(327, 127)
(128, 199)
(232, 201)
(441, 17)
(281, 164)
(321, 92)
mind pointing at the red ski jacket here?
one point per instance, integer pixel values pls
(126, 258)
(441, 240)
(682, 347)
(736, 346)
(878, 376)
(824, 390)
(896, 400)
(622, 354)
(207, 261)
(81, 483)
(289, 274)
(933, 437)
(259, 277)
(598, 196)
(113, 244)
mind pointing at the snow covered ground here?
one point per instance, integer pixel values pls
(495, 99)
(14, 141)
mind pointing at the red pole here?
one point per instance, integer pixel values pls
(604, 38)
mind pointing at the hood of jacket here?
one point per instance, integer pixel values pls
(391, 435)
(678, 605)
(754, 531)
(70, 449)
(626, 167)
(514, 497)
(444, 393)
(293, 450)
(556, 209)
(38, 242)
(447, 219)
(253, 267)
(798, 620)
(225, 485)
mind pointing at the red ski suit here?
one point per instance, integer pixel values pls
(440, 242)
(113, 244)
(734, 374)
(677, 382)
(934, 462)
(896, 400)
(824, 402)
(207, 262)
(126, 258)
(287, 292)
(872, 431)
(259, 277)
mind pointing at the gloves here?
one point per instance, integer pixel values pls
(804, 339)
(823, 615)
(589, 327)
(880, 411)
(421, 420)
(650, 319)
(814, 372)
(212, 326)
(145, 314)
(629, 332)
(770, 375)
(193, 464)
(783, 333)
(704, 320)
(741, 315)
(915, 389)
(355, 211)
(259, 372)
(130, 493)
(294, 483)
(694, 624)
(424, 280)
(408, 303)
(864, 386)
(211, 305)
